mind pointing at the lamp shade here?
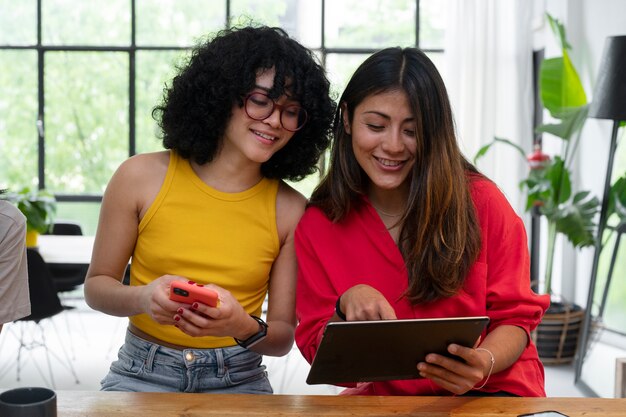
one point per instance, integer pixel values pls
(609, 96)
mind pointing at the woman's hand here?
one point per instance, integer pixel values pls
(227, 319)
(155, 299)
(363, 302)
(454, 375)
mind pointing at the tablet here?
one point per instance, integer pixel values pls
(381, 350)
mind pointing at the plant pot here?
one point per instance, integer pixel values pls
(31, 238)
(557, 335)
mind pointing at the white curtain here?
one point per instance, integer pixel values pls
(488, 72)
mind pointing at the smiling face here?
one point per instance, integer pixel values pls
(257, 140)
(384, 140)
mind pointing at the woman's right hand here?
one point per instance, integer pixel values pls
(363, 302)
(155, 299)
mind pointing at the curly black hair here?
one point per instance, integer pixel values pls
(197, 107)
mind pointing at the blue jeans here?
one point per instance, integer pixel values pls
(149, 367)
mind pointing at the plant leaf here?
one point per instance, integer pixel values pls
(621, 213)
(483, 150)
(559, 31)
(539, 190)
(560, 84)
(575, 220)
(559, 178)
(38, 206)
(617, 199)
(548, 187)
(572, 120)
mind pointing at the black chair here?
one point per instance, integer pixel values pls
(68, 228)
(45, 304)
(67, 277)
(44, 300)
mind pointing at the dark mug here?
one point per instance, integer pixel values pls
(28, 402)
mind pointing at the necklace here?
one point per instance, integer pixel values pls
(384, 213)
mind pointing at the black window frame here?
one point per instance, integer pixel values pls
(323, 51)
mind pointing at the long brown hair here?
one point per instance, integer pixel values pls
(440, 235)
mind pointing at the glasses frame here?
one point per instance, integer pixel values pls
(281, 108)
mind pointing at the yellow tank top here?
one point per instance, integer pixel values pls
(208, 236)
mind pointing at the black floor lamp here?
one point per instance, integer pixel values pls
(609, 102)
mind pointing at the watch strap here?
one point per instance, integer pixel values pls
(340, 313)
(255, 338)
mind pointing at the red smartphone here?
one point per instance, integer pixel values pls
(188, 293)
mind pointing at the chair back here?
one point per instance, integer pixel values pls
(67, 277)
(44, 300)
(66, 228)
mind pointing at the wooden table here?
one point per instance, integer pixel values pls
(114, 404)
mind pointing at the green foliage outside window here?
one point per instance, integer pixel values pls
(87, 89)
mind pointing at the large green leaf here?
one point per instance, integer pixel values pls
(572, 120)
(575, 220)
(560, 85)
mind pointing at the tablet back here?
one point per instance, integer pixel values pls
(360, 351)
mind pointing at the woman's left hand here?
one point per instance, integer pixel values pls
(227, 319)
(454, 375)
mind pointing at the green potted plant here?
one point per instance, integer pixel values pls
(39, 208)
(548, 188)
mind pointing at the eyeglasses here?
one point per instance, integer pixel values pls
(259, 106)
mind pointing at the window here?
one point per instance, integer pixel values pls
(80, 79)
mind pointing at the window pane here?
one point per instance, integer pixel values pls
(300, 18)
(84, 213)
(94, 22)
(18, 20)
(86, 119)
(306, 185)
(615, 311)
(177, 22)
(432, 24)
(18, 117)
(154, 70)
(367, 23)
(340, 68)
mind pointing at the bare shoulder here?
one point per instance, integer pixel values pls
(290, 205)
(145, 164)
(142, 169)
(138, 179)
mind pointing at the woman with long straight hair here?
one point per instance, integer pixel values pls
(403, 226)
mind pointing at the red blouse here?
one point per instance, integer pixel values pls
(333, 257)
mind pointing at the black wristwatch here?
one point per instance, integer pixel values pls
(255, 338)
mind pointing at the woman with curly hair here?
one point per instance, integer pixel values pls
(404, 227)
(250, 109)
